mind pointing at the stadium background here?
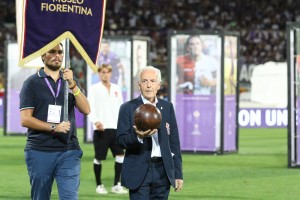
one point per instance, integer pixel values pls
(262, 29)
(261, 25)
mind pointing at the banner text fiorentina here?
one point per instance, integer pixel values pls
(62, 6)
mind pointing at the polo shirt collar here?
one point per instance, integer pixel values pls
(42, 74)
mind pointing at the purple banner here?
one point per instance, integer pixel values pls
(80, 21)
(1, 111)
(263, 117)
(196, 117)
(79, 119)
(13, 124)
(13, 119)
(230, 88)
(229, 118)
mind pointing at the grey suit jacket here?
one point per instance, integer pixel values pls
(138, 154)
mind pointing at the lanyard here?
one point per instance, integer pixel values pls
(51, 89)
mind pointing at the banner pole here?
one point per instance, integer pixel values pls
(67, 64)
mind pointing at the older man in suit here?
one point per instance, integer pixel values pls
(153, 158)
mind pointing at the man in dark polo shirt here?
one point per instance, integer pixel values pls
(52, 150)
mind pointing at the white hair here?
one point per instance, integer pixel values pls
(158, 73)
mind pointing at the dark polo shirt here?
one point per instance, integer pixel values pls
(36, 94)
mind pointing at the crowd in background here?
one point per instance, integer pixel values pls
(261, 25)
(7, 24)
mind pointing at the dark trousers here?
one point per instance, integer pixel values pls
(156, 185)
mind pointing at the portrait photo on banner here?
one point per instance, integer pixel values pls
(196, 89)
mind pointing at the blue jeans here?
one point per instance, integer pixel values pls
(45, 166)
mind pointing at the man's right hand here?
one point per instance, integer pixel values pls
(99, 126)
(63, 127)
(143, 134)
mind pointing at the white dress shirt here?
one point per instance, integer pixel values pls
(105, 105)
(155, 144)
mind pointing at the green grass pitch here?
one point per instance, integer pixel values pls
(257, 172)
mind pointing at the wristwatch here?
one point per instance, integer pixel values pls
(53, 127)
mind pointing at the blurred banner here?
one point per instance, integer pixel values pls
(44, 24)
(139, 60)
(196, 69)
(15, 78)
(10, 106)
(293, 59)
(1, 111)
(203, 68)
(263, 118)
(126, 55)
(229, 100)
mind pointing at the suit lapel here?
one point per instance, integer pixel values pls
(138, 101)
(160, 107)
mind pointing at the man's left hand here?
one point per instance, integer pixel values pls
(68, 75)
(178, 184)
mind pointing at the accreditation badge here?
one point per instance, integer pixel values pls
(54, 112)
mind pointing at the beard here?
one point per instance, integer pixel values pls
(53, 67)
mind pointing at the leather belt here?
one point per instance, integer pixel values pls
(155, 159)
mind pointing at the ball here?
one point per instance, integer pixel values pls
(147, 116)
